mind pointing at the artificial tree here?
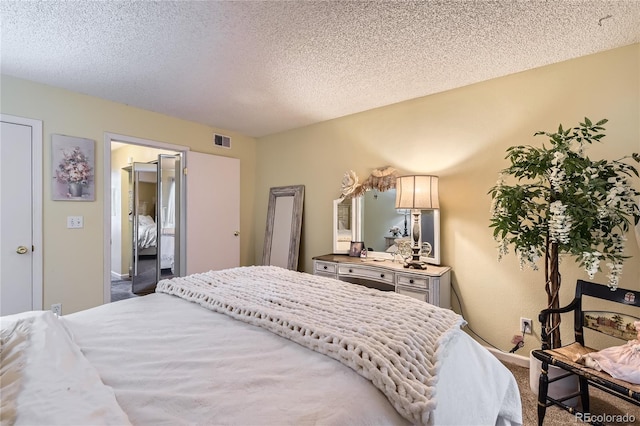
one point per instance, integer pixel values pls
(564, 203)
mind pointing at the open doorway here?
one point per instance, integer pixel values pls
(144, 215)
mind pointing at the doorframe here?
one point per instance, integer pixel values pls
(37, 283)
(132, 140)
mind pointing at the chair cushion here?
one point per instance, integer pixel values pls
(572, 353)
(568, 356)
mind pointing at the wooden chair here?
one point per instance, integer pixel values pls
(615, 324)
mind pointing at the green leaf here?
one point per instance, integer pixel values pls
(523, 222)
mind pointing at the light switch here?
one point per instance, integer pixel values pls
(75, 222)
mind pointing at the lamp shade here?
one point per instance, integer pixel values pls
(417, 192)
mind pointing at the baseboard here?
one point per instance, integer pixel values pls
(115, 275)
(519, 360)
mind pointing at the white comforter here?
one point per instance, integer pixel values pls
(45, 379)
(147, 232)
(394, 342)
(172, 362)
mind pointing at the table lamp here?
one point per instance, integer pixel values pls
(416, 193)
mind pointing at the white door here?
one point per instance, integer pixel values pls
(213, 212)
(20, 215)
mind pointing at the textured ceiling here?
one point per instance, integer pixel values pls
(263, 67)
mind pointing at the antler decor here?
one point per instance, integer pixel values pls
(381, 179)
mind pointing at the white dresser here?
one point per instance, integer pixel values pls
(432, 285)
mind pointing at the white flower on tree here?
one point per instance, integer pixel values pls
(557, 174)
(559, 223)
(591, 262)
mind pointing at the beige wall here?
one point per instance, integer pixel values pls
(461, 135)
(73, 259)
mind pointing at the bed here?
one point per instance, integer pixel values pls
(148, 241)
(147, 234)
(255, 345)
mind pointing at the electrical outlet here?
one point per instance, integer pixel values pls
(56, 308)
(74, 222)
(526, 326)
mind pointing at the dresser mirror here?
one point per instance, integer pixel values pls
(344, 224)
(371, 217)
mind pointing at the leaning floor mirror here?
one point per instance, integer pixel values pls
(284, 226)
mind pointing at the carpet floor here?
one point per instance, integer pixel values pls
(145, 281)
(601, 403)
(120, 290)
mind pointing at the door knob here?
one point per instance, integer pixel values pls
(235, 234)
(21, 250)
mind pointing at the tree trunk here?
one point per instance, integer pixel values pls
(552, 287)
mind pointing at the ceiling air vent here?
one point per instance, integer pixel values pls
(221, 140)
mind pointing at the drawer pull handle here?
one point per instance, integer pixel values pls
(350, 270)
(410, 281)
(325, 266)
(381, 275)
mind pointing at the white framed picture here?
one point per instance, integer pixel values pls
(73, 168)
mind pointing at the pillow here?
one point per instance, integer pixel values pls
(621, 362)
(145, 220)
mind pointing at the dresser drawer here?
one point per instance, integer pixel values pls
(413, 281)
(325, 267)
(364, 272)
(414, 292)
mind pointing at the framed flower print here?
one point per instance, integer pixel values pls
(73, 168)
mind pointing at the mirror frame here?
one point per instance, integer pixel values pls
(358, 212)
(137, 170)
(295, 225)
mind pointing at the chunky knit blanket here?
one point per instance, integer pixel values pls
(394, 341)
